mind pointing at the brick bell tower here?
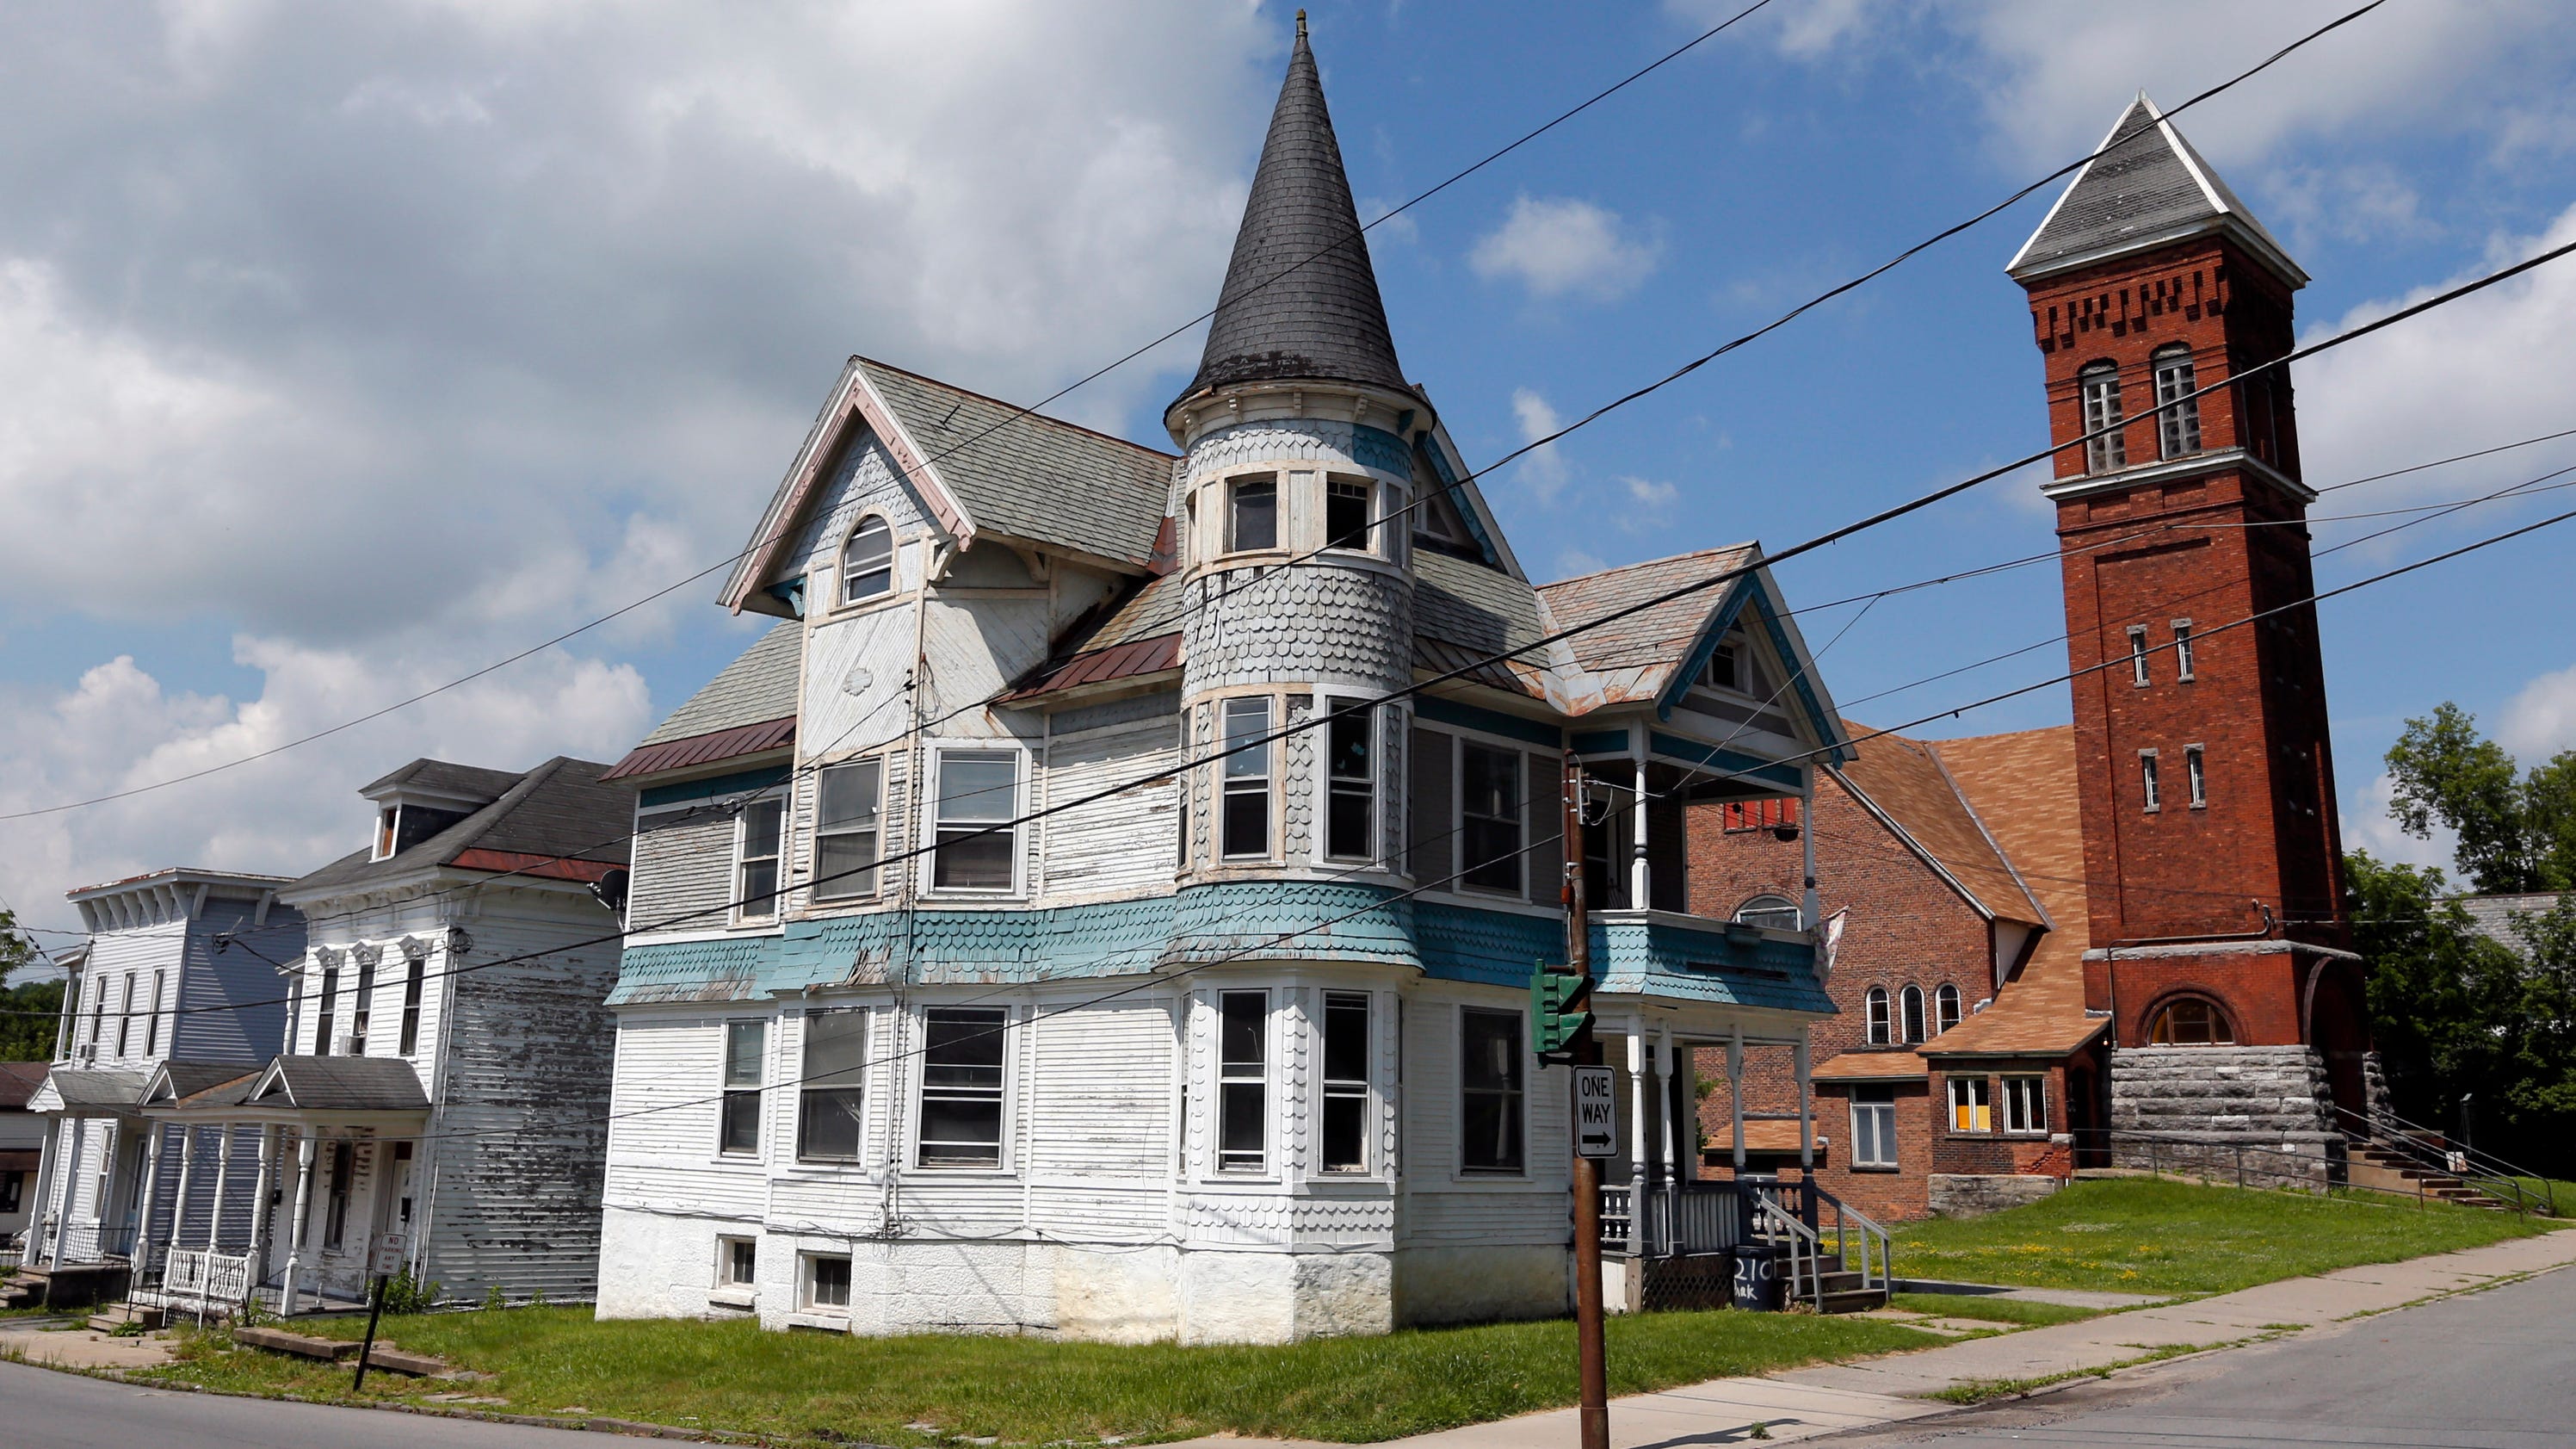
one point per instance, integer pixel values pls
(2212, 853)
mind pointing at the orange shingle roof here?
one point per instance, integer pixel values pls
(1871, 1066)
(1902, 778)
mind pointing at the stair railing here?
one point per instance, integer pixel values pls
(1776, 1222)
(2492, 1174)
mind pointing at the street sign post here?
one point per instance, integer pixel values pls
(1596, 1112)
(1592, 1360)
(384, 1259)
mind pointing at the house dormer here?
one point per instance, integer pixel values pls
(425, 797)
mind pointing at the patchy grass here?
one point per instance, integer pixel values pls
(831, 1387)
(2148, 1235)
(1980, 1391)
(2543, 1189)
(2017, 1311)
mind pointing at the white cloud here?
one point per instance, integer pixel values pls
(2541, 720)
(1542, 469)
(1649, 503)
(2362, 203)
(1562, 245)
(1648, 493)
(2368, 825)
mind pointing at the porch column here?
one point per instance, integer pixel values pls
(187, 1169)
(1806, 1109)
(1735, 1090)
(259, 1223)
(303, 1209)
(47, 1165)
(153, 1137)
(223, 1181)
(71, 1176)
(1637, 1109)
(1672, 1134)
(1640, 873)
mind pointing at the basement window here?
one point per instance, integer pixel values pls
(737, 1262)
(827, 1282)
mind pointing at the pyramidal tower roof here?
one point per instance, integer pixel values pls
(2146, 187)
(1300, 299)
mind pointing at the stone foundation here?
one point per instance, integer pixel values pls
(1969, 1195)
(2263, 1116)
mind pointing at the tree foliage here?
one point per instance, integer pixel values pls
(2517, 830)
(28, 1012)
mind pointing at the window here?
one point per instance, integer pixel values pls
(1244, 824)
(2138, 655)
(152, 1025)
(1489, 1082)
(1346, 1081)
(1909, 1004)
(756, 873)
(1350, 805)
(1970, 1108)
(2100, 385)
(125, 1017)
(2177, 412)
(330, 1002)
(961, 1086)
(2150, 788)
(845, 830)
(738, 1128)
(1346, 514)
(1875, 1009)
(2026, 1104)
(1725, 668)
(737, 1262)
(363, 1003)
(828, 1101)
(98, 1010)
(827, 1281)
(1777, 913)
(1945, 1008)
(335, 1215)
(1254, 514)
(414, 975)
(1873, 1114)
(385, 830)
(11, 1185)
(1242, 1079)
(1489, 809)
(2196, 771)
(2182, 649)
(2190, 1021)
(978, 848)
(867, 561)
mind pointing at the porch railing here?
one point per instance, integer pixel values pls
(1672, 1219)
(91, 1243)
(1818, 1229)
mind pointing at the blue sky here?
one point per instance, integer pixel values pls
(353, 350)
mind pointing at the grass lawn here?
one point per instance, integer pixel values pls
(2542, 1187)
(829, 1387)
(2144, 1235)
(2018, 1312)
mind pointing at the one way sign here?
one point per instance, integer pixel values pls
(1596, 1112)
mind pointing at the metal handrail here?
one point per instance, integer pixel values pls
(1806, 1248)
(2112, 1137)
(2482, 1167)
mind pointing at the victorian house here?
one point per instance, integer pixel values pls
(1105, 902)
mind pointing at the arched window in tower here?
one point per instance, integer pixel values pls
(2177, 412)
(867, 561)
(2190, 1021)
(1909, 1005)
(1945, 1008)
(2100, 385)
(1874, 1009)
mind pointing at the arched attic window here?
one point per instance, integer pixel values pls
(1945, 1008)
(1779, 913)
(1874, 1009)
(1909, 1004)
(2190, 1021)
(867, 560)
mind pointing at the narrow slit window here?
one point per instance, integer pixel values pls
(1350, 806)
(978, 847)
(2100, 385)
(2177, 411)
(1346, 514)
(756, 867)
(2196, 770)
(1243, 1080)
(2150, 788)
(1245, 829)
(125, 1017)
(1876, 1009)
(961, 1086)
(330, 1007)
(828, 1097)
(738, 1125)
(1255, 514)
(152, 1024)
(846, 830)
(2182, 649)
(1910, 1009)
(1489, 808)
(1971, 1106)
(1346, 1081)
(415, 975)
(362, 1006)
(2138, 655)
(867, 561)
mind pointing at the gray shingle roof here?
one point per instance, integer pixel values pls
(562, 809)
(1467, 604)
(1634, 655)
(2147, 187)
(471, 781)
(1300, 299)
(2492, 916)
(759, 685)
(344, 1084)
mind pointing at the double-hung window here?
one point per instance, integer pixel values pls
(867, 561)
(1489, 817)
(2150, 785)
(2026, 1104)
(1875, 1010)
(1350, 803)
(961, 1086)
(330, 1004)
(2182, 649)
(978, 847)
(738, 1124)
(1253, 509)
(1971, 1110)
(1242, 1080)
(1346, 1081)
(1873, 1114)
(2196, 769)
(2138, 656)
(415, 975)
(364, 1005)
(828, 1095)
(845, 829)
(756, 858)
(2100, 385)
(1489, 1084)
(1244, 824)
(1347, 505)
(2177, 411)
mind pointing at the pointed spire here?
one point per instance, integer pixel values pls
(2146, 188)
(1300, 299)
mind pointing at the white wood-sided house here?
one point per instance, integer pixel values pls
(436, 1072)
(918, 1029)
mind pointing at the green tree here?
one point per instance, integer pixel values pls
(28, 1012)
(2436, 988)
(2517, 830)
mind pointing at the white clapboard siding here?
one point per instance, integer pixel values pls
(1123, 844)
(1103, 1091)
(683, 865)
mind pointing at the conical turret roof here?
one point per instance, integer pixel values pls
(2147, 187)
(1300, 299)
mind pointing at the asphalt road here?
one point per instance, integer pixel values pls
(43, 1409)
(2491, 1370)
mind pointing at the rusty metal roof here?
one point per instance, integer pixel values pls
(705, 749)
(1130, 660)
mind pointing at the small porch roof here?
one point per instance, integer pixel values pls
(89, 1091)
(350, 1091)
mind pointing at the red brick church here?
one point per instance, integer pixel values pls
(2057, 945)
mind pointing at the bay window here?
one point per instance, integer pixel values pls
(1346, 1081)
(1244, 811)
(1243, 1080)
(1350, 804)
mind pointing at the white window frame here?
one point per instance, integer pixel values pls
(843, 574)
(1232, 489)
(811, 1083)
(1004, 1157)
(2195, 765)
(1372, 718)
(1234, 775)
(1976, 1094)
(725, 1245)
(929, 867)
(855, 887)
(744, 911)
(728, 1089)
(1878, 1017)
(1873, 1146)
(1519, 1092)
(2098, 393)
(1460, 744)
(1370, 494)
(1331, 1089)
(2151, 788)
(2025, 1106)
(1946, 1007)
(808, 1299)
(2138, 672)
(2177, 421)
(152, 1029)
(125, 1016)
(2183, 670)
(1237, 1162)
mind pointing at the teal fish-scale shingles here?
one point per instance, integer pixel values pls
(1292, 920)
(692, 971)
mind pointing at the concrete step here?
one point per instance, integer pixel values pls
(1855, 1300)
(118, 1315)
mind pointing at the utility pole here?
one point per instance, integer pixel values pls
(1591, 1353)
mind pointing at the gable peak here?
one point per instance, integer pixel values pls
(2146, 186)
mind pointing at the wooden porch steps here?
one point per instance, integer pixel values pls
(1843, 1292)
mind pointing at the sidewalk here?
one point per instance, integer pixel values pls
(46, 1343)
(1804, 1403)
